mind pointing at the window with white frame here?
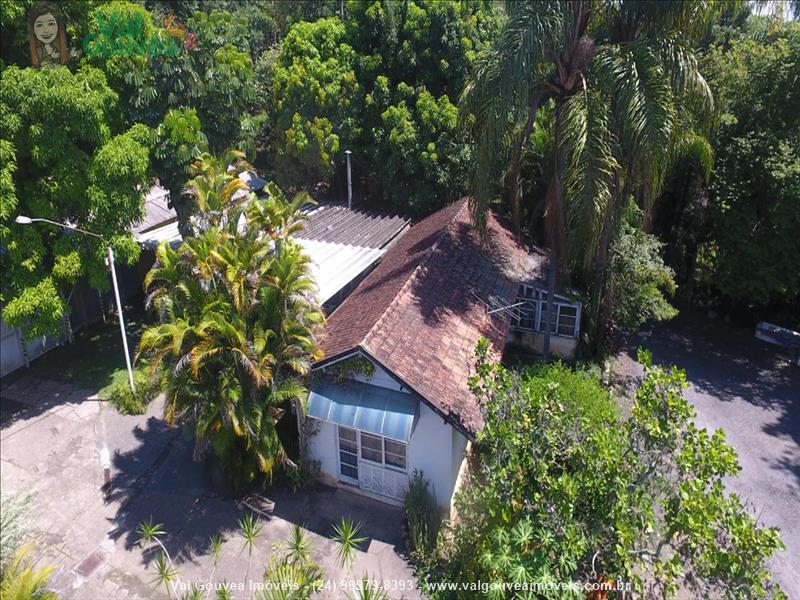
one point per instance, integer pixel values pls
(386, 452)
(532, 314)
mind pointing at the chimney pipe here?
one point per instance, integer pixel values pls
(348, 153)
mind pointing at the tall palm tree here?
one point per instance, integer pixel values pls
(238, 322)
(614, 72)
(541, 56)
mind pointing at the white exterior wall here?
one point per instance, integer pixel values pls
(322, 447)
(431, 451)
(435, 447)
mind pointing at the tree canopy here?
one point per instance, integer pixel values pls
(237, 322)
(64, 159)
(753, 251)
(563, 489)
(383, 82)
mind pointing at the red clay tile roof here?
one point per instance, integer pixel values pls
(420, 313)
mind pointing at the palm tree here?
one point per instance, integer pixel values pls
(238, 322)
(541, 55)
(613, 73)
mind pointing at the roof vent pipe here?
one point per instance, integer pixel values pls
(348, 153)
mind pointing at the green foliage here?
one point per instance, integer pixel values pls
(346, 535)
(382, 82)
(166, 573)
(14, 524)
(290, 573)
(64, 160)
(249, 527)
(313, 86)
(351, 367)
(21, 580)
(753, 250)
(127, 402)
(565, 490)
(642, 278)
(368, 589)
(237, 323)
(423, 517)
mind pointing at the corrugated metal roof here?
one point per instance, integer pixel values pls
(156, 211)
(342, 243)
(334, 266)
(165, 233)
(341, 225)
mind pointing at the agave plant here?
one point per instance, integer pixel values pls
(249, 527)
(166, 573)
(291, 573)
(346, 534)
(369, 589)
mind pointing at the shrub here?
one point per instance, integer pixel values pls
(304, 475)
(21, 580)
(422, 517)
(566, 490)
(13, 525)
(128, 402)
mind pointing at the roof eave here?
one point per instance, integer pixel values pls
(361, 350)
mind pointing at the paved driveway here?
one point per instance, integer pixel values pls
(743, 386)
(50, 440)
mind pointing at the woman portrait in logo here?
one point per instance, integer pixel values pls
(46, 35)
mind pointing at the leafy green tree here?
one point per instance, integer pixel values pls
(179, 142)
(614, 74)
(201, 97)
(315, 96)
(566, 490)
(639, 273)
(752, 253)
(238, 323)
(64, 160)
(382, 81)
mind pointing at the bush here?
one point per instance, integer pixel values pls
(22, 580)
(563, 489)
(13, 525)
(128, 402)
(422, 517)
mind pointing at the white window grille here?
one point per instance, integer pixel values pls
(532, 314)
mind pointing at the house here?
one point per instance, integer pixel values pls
(343, 243)
(391, 394)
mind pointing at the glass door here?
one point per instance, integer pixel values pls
(348, 454)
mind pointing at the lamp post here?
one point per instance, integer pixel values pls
(28, 220)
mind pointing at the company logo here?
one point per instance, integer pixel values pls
(46, 35)
(122, 33)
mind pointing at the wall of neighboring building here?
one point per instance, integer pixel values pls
(435, 447)
(560, 345)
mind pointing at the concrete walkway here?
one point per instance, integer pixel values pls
(745, 387)
(50, 441)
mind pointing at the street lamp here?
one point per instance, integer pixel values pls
(22, 220)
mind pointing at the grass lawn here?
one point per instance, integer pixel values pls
(95, 360)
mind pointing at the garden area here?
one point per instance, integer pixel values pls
(645, 155)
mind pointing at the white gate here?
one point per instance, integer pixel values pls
(380, 480)
(18, 352)
(11, 354)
